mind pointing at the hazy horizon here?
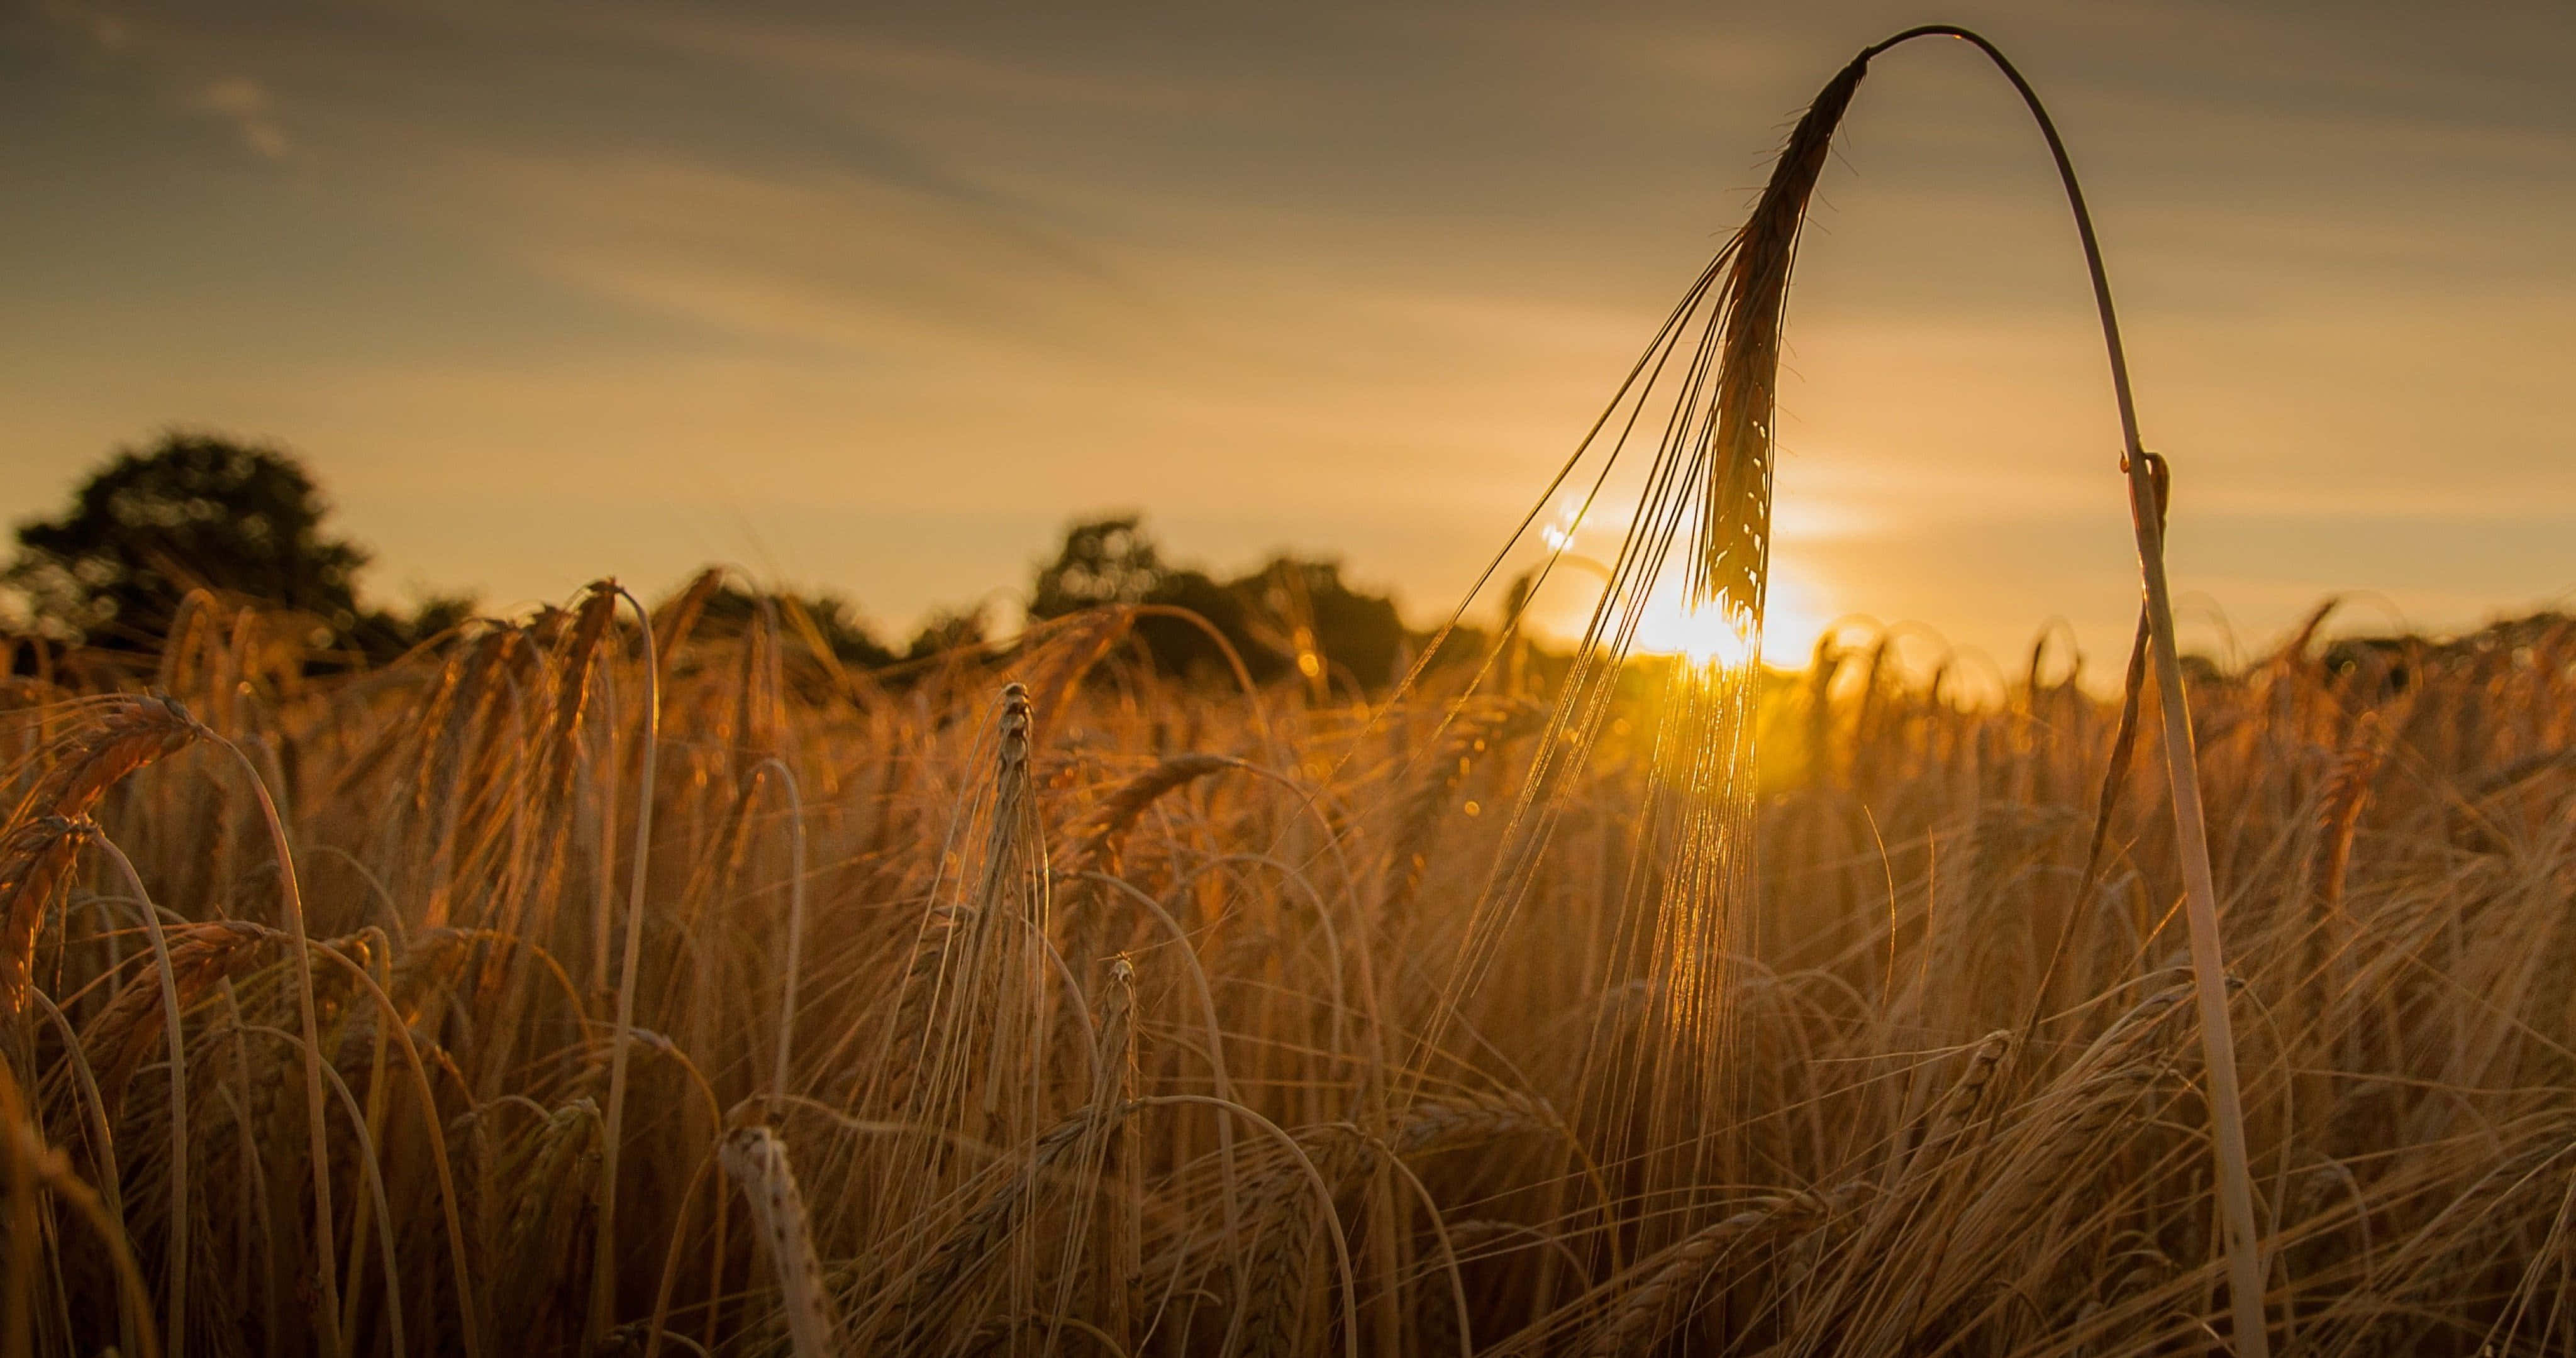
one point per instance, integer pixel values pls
(878, 303)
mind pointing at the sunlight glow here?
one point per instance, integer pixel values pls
(1794, 611)
(1724, 636)
(1717, 633)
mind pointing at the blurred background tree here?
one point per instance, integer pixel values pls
(1102, 561)
(199, 511)
(826, 617)
(1291, 613)
(950, 629)
(247, 522)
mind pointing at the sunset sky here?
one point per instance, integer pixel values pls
(877, 297)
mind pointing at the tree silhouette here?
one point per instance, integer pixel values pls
(1111, 561)
(829, 618)
(949, 630)
(1102, 561)
(1313, 612)
(1291, 612)
(196, 511)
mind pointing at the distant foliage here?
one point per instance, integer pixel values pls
(1293, 614)
(835, 621)
(198, 511)
(950, 630)
(1102, 561)
(248, 523)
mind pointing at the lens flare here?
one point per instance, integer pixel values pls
(1716, 634)
(1723, 635)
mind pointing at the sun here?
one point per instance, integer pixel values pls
(1723, 636)
(1718, 637)
(1717, 634)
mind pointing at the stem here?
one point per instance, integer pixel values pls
(317, 1125)
(603, 1278)
(176, 1330)
(795, 921)
(31, 1163)
(2191, 833)
(1304, 1164)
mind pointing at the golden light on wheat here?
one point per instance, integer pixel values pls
(604, 981)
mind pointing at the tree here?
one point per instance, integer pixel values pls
(949, 630)
(1103, 561)
(196, 511)
(834, 621)
(1291, 607)
(1111, 561)
(1361, 633)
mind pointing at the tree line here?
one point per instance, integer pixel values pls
(248, 523)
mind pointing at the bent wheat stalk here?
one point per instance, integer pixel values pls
(794, 962)
(176, 1333)
(1731, 568)
(2191, 831)
(28, 1161)
(603, 1289)
(290, 894)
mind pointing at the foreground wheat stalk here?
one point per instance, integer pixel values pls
(2182, 764)
(1724, 465)
(603, 1296)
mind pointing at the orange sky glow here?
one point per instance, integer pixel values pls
(878, 298)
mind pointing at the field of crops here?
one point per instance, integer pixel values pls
(710, 998)
(645, 979)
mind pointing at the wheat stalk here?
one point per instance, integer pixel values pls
(1730, 566)
(180, 1146)
(603, 1295)
(32, 1163)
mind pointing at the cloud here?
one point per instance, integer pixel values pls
(920, 69)
(1343, 275)
(820, 256)
(247, 105)
(97, 24)
(174, 63)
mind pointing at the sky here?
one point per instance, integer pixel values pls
(877, 298)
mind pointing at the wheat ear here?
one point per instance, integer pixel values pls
(757, 1160)
(117, 736)
(1648, 1311)
(34, 859)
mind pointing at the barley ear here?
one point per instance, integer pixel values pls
(34, 859)
(757, 1160)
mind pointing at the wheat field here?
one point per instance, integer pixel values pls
(615, 981)
(1037, 1003)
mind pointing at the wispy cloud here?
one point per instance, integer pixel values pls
(822, 257)
(97, 24)
(917, 68)
(246, 104)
